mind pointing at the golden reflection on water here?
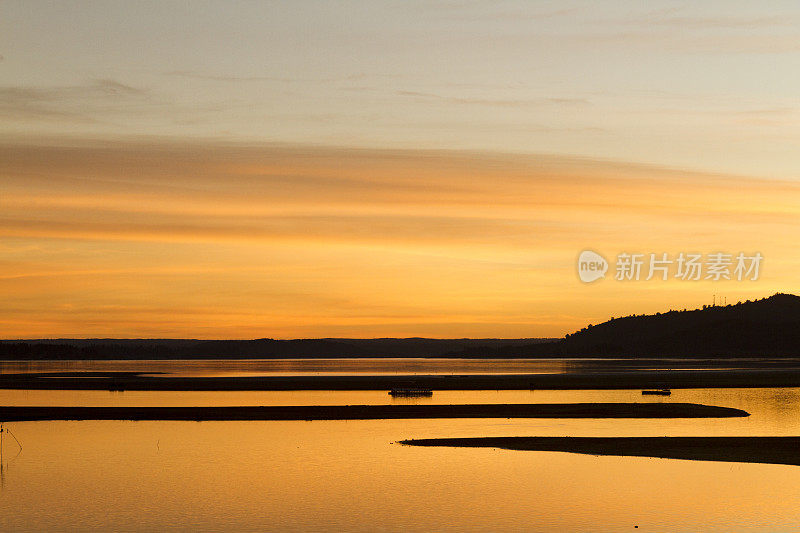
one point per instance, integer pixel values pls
(774, 411)
(306, 366)
(349, 476)
(383, 366)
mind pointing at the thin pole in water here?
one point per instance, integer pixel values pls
(15, 439)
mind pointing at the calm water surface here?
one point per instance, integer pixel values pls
(350, 476)
(385, 366)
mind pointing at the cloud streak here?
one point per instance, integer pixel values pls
(558, 101)
(83, 103)
(270, 79)
(292, 240)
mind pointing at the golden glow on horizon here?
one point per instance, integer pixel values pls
(203, 240)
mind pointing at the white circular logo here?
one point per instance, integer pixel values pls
(591, 266)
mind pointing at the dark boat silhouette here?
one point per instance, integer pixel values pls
(415, 391)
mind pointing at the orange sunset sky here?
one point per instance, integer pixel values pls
(242, 170)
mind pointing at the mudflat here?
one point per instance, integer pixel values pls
(579, 380)
(773, 450)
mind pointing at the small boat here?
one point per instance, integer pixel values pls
(411, 392)
(657, 392)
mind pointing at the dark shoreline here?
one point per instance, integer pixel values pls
(683, 379)
(772, 450)
(373, 412)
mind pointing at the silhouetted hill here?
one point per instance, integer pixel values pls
(769, 327)
(245, 349)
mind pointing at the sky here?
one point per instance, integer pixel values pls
(367, 169)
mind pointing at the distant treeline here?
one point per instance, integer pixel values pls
(769, 327)
(247, 349)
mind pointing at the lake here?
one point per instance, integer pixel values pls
(386, 366)
(352, 476)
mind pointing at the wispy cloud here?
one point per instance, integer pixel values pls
(480, 11)
(687, 30)
(77, 102)
(675, 17)
(103, 103)
(511, 102)
(277, 79)
(213, 192)
(136, 238)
